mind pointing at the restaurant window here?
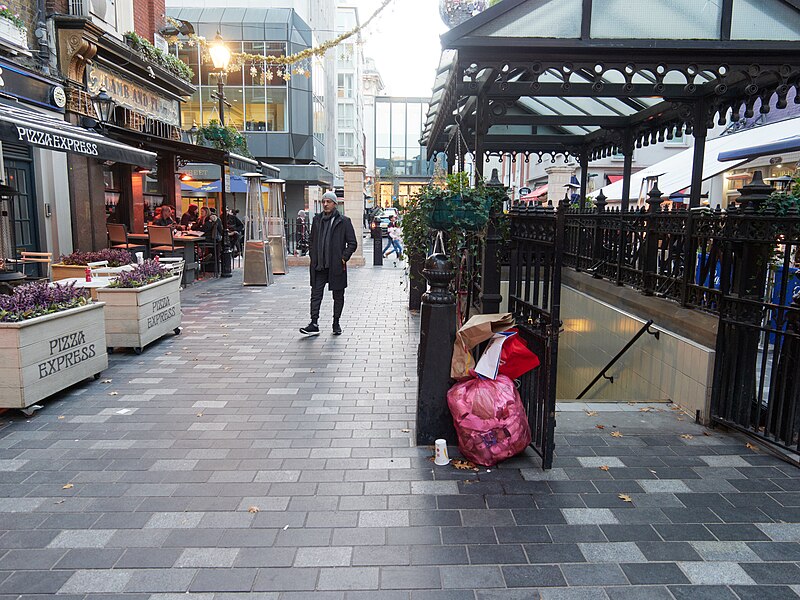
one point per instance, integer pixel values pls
(153, 194)
(112, 191)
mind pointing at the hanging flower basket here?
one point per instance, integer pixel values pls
(470, 213)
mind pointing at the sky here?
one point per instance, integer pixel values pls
(404, 41)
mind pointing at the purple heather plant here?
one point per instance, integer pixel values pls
(37, 299)
(115, 258)
(141, 275)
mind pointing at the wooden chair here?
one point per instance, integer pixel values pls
(161, 241)
(36, 258)
(118, 237)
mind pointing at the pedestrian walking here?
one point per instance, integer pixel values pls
(393, 245)
(332, 242)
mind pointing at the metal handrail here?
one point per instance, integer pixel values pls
(602, 374)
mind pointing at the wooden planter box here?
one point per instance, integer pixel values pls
(60, 271)
(45, 355)
(136, 317)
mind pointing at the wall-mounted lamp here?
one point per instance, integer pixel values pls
(104, 107)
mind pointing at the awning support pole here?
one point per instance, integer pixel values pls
(627, 152)
(700, 133)
(584, 162)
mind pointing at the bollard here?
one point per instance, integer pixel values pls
(377, 243)
(437, 335)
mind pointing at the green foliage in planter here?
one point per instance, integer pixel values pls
(165, 60)
(222, 138)
(15, 18)
(780, 203)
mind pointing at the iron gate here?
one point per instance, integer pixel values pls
(534, 297)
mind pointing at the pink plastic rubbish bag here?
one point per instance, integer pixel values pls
(489, 418)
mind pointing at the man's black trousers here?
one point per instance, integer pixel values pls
(318, 291)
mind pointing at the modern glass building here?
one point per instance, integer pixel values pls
(401, 166)
(283, 117)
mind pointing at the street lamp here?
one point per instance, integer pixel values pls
(104, 107)
(191, 133)
(221, 57)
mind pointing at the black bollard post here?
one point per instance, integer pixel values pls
(377, 243)
(437, 335)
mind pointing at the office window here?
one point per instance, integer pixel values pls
(346, 142)
(266, 109)
(347, 116)
(345, 85)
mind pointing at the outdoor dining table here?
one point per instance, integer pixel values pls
(184, 244)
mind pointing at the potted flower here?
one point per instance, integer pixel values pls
(74, 265)
(141, 305)
(12, 27)
(51, 337)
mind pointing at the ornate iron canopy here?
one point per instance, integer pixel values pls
(589, 79)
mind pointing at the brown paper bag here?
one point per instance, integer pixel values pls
(475, 331)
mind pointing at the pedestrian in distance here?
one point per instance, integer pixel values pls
(393, 245)
(331, 243)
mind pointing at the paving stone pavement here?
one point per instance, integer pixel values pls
(239, 458)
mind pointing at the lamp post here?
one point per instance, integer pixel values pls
(221, 57)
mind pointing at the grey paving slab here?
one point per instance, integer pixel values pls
(241, 459)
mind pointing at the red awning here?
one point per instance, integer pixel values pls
(614, 178)
(535, 194)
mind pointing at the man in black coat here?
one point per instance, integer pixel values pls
(332, 243)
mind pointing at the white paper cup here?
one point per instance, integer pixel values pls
(441, 457)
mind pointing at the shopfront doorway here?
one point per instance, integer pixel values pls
(18, 165)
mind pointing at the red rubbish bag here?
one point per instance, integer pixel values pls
(489, 419)
(516, 358)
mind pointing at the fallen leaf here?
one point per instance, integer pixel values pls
(681, 419)
(625, 498)
(750, 446)
(199, 414)
(603, 468)
(61, 417)
(707, 434)
(59, 502)
(616, 434)
(600, 426)
(653, 472)
(69, 486)
(253, 509)
(405, 431)
(463, 465)
(687, 436)
(470, 481)
(674, 407)
(113, 393)
(591, 413)
(106, 381)
(631, 403)
(645, 409)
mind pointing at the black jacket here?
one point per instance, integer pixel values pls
(343, 244)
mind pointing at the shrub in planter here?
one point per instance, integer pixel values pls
(74, 265)
(141, 305)
(50, 339)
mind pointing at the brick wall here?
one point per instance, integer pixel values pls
(148, 17)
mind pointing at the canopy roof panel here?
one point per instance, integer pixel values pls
(592, 76)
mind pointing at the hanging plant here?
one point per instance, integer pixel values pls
(150, 53)
(222, 138)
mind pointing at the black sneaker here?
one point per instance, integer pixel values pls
(337, 330)
(310, 329)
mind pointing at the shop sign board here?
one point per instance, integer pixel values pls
(132, 95)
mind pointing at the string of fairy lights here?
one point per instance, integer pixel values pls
(268, 67)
